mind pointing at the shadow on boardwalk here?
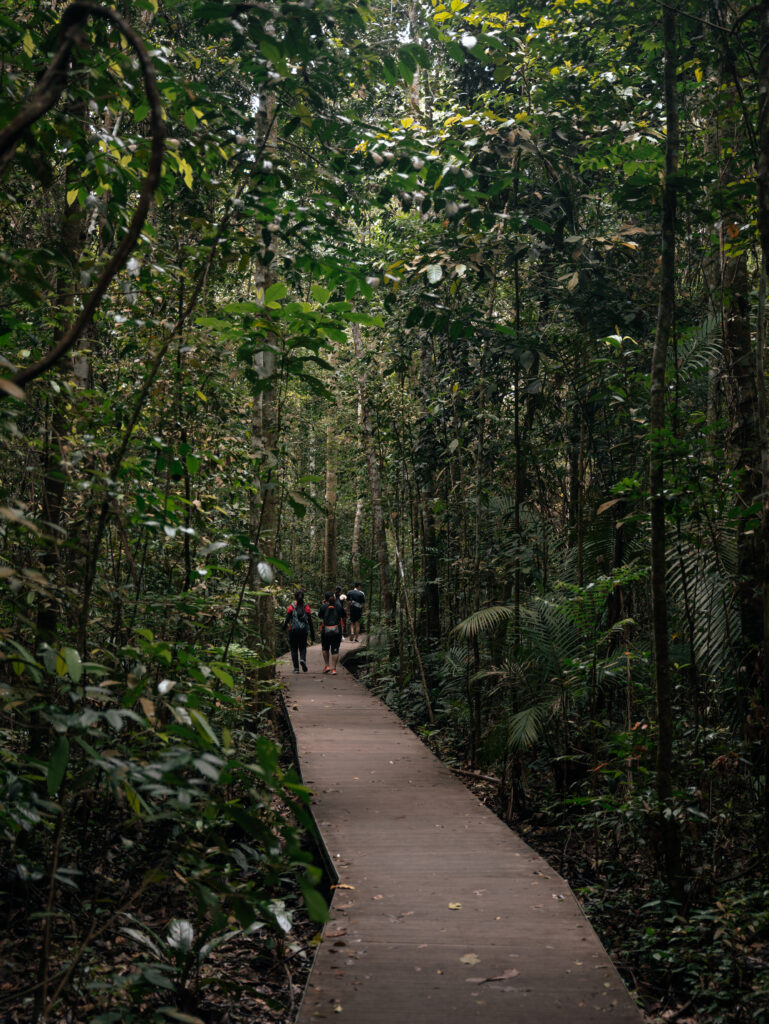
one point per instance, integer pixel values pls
(442, 915)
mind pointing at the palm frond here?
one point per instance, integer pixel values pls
(483, 621)
(526, 727)
(694, 577)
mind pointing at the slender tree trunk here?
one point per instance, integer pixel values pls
(329, 545)
(671, 842)
(264, 437)
(424, 471)
(356, 529)
(743, 408)
(380, 536)
(54, 474)
(762, 186)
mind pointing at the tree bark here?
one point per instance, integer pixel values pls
(375, 487)
(671, 842)
(330, 546)
(263, 517)
(762, 188)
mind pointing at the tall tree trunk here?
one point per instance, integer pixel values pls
(743, 410)
(762, 186)
(329, 545)
(355, 549)
(671, 842)
(424, 470)
(264, 435)
(54, 474)
(375, 487)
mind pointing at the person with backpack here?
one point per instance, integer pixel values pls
(356, 599)
(341, 598)
(332, 626)
(298, 622)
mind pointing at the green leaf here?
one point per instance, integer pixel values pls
(73, 663)
(201, 723)
(316, 905)
(321, 295)
(57, 765)
(222, 676)
(133, 799)
(275, 292)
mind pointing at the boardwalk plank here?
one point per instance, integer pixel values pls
(449, 916)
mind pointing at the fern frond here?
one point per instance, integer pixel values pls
(483, 621)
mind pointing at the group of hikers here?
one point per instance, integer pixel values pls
(340, 617)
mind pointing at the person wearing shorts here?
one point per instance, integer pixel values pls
(330, 632)
(355, 602)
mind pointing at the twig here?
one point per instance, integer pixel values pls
(476, 775)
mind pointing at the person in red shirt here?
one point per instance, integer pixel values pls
(298, 622)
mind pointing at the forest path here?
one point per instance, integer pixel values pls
(442, 915)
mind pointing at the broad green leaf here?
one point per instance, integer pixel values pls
(320, 294)
(275, 292)
(316, 905)
(203, 726)
(74, 665)
(222, 676)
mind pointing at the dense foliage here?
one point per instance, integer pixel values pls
(391, 316)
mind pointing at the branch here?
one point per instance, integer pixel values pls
(45, 95)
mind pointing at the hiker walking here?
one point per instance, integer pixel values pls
(356, 599)
(298, 622)
(332, 624)
(340, 598)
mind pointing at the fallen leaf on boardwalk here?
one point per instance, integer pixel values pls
(504, 976)
(470, 958)
(478, 892)
(378, 897)
(455, 906)
(342, 885)
(338, 1008)
(336, 935)
(558, 896)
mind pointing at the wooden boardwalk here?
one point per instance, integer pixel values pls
(442, 914)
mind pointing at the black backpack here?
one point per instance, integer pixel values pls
(298, 619)
(331, 614)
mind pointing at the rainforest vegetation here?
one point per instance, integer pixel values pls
(465, 299)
